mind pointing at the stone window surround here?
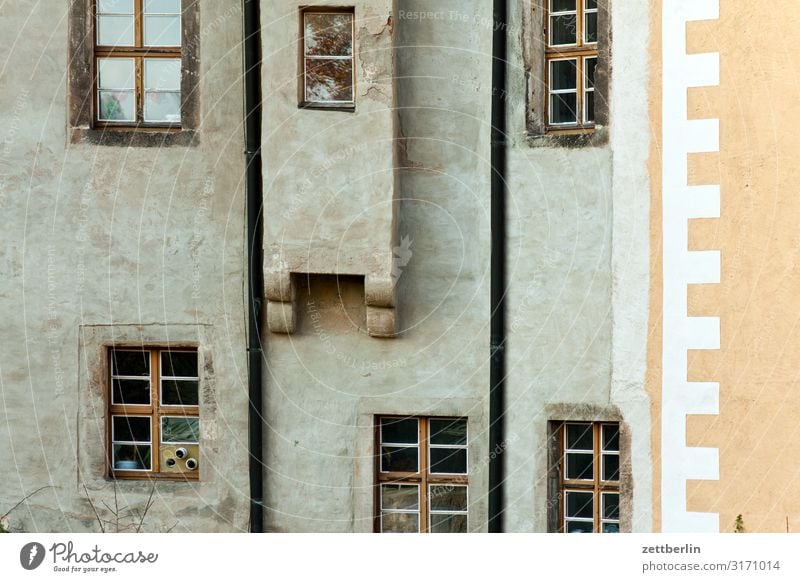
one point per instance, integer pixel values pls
(533, 53)
(93, 394)
(557, 415)
(81, 86)
(364, 465)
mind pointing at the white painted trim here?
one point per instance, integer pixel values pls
(682, 267)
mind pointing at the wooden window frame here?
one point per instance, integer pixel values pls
(349, 106)
(423, 477)
(155, 411)
(597, 485)
(82, 87)
(580, 51)
(138, 52)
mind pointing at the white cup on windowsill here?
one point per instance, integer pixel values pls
(127, 465)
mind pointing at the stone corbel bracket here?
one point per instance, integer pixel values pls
(379, 294)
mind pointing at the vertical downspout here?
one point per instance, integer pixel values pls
(255, 268)
(497, 370)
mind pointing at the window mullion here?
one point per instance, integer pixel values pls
(597, 496)
(155, 374)
(562, 440)
(423, 488)
(139, 92)
(579, 68)
(138, 20)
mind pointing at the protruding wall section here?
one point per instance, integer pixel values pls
(330, 199)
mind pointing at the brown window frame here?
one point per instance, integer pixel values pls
(338, 105)
(155, 410)
(597, 485)
(138, 53)
(580, 51)
(423, 477)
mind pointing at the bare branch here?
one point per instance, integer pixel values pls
(97, 515)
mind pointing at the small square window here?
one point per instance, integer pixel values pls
(154, 427)
(328, 58)
(422, 482)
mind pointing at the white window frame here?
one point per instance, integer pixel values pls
(149, 443)
(551, 15)
(447, 512)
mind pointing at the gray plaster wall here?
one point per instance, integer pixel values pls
(575, 287)
(106, 244)
(577, 263)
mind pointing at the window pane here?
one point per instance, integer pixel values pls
(179, 392)
(448, 432)
(183, 364)
(399, 459)
(163, 6)
(579, 527)
(448, 498)
(580, 504)
(131, 457)
(590, 107)
(329, 35)
(399, 522)
(610, 437)
(162, 106)
(130, 392)
(590, 27)
(117, 106)
(580, 466)
(162, 74)
(562, 5)
(563, 29)
(329, 80)
(580, 436)
(448, 461)
(564, 75)
(610, 528)
(180, 430)
(562, 108)
(610, 467)
(591, 4)
(444, 523)
(590, 64)
(162, 30)
(118, 74)
(115, 30)
(117, 6)
(394, 496)
(610, 505)
(399, 430)
(131, 429)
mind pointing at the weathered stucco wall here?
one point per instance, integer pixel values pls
(102, 244)
(327, 381)
(577, 312)
(103, 240)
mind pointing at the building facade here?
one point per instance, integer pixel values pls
(649, 261)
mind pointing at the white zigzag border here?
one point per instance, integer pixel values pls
(682, 267)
